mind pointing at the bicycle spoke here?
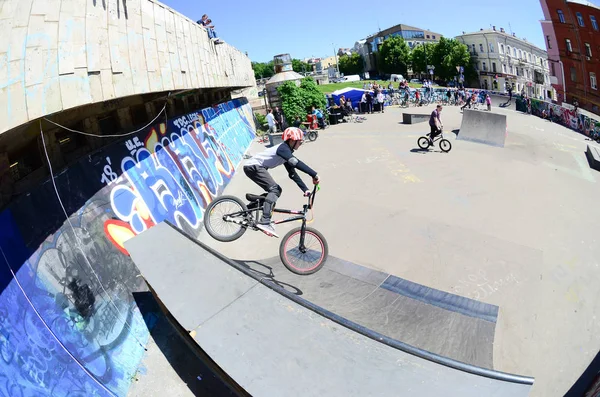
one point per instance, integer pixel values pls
(304, 260)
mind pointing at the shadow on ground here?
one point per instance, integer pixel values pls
(181, 356)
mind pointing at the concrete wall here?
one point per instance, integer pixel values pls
(69, 323)
(60, 54)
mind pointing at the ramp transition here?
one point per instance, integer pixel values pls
(272, 342)
(483, 127)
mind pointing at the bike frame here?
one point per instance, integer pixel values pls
(299, 215)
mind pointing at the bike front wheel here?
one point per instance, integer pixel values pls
(423, 143)
(306, 259)
(445, 145)
(222, 229)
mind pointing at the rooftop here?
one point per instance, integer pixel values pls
(585, 3)
(503, 33)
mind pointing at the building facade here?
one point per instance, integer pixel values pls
(412, 35)
(572, 36)
(503, 60)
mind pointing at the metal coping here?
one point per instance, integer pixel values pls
(396, 344)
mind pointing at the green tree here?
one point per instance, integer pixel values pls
(394, 56)
(296, 100)
(263, 69)
(421, 56)
(300, 66)
(311, 94)
(351, 64)
(292, 101)
(447, 55)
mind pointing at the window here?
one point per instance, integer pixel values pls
(480, 47)
(512, 70)
(427, 36)
(569, 46)
(508, 50)
(520, 54)
(491, 47)
(548, 42)
(484, 67)
(588, 50)
(501, 47)
(573, 74)
(580, 19)
(552, 68)
(594, 23)
(494, 67)
(474, 50)
(433, 37)
(514, 52)
(593, 83)
(561, 16)
(503, 68)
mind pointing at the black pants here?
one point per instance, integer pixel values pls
(468, 103)
(262, 178)
(434, 132)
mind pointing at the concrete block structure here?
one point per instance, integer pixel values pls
(61, 54)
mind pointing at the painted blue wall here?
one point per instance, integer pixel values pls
(69, 325)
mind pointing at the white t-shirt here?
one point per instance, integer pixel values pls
(271, 120)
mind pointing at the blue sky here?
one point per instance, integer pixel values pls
(315, 27)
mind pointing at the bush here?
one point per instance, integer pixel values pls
(312, 95)
(292, 101)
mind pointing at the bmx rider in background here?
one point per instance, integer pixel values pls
(257, 168)
(435, 122)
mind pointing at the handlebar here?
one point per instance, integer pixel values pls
(311, 197)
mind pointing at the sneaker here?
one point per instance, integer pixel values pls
(268, 229)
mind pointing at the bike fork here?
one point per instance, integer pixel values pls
(301, 246)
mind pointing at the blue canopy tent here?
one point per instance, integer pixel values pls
(354, 94)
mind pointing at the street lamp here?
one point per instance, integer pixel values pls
(337, 64)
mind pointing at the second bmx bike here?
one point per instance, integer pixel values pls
(303, 250)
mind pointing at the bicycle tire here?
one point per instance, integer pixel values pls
(284, 251)
(423, 142)
(312, 136)
(209, 225)
(445, 145)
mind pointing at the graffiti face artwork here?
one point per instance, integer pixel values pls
(68, 319)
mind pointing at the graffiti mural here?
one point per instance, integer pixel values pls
(69, 325)
(561, 115)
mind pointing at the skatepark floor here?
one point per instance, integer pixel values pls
(512, 227)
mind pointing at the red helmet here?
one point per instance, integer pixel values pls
(292, 133)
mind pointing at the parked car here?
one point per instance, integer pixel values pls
(416, 81)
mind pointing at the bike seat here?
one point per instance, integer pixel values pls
(255, 197)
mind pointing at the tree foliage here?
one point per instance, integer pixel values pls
(297, 100)
(263, 69)
(421, 56)
(351, 64)
(394, 56)
(300, 66)
(447, 55)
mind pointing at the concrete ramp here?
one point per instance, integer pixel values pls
(272, 342)
(483, 127)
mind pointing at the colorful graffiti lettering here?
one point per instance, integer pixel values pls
(177, 172)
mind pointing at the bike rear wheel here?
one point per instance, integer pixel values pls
(308, 259)
(312, 136)
(219, 228)
(423, 143)
(445, 145)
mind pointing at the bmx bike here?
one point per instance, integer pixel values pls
(303, 250)
(424, 142)
(311, 135)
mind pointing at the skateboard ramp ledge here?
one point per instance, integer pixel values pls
(158, 263)
(483, 127)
